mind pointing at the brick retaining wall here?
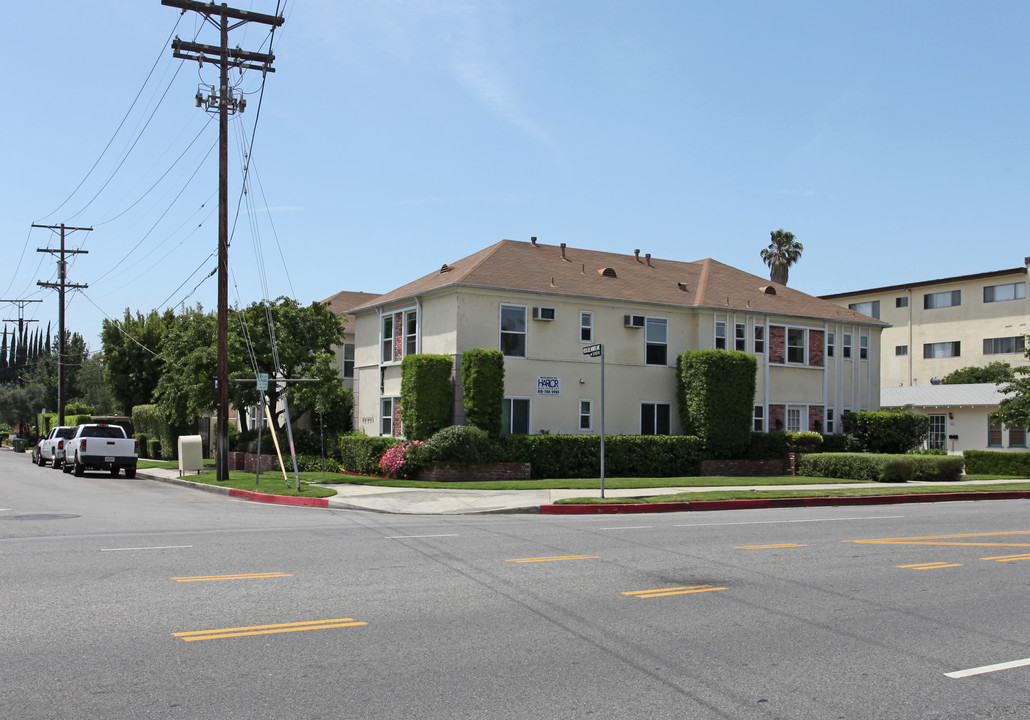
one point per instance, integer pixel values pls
(744, 468)
(487, 471)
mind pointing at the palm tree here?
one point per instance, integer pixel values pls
(783, 251)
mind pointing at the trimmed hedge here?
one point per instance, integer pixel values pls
(482, 383)
(886, 431)
(881, 467)
(360, 453)
(426, 391)
(579, 456)
(150, 421)
(986, 462)
(715, 390)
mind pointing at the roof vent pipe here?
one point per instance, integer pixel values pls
(648, 256)
(563, 252)
(636, 254)
(533, 240)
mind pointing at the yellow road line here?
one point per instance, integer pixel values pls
(192, 635)
(664, 592)
(930, 539)
(1008, 558)
(551, 559)
(242, 576)
(766, 547)
(931, 566)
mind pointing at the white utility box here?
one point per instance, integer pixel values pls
(191, 454)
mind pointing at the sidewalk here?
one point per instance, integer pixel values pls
(413, 501)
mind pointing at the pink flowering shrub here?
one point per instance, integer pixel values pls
(401, 460)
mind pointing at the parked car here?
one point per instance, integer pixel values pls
(51, 447)
(36, 452)
(100, 447)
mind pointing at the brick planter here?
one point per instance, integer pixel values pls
(745, 468)
(475, 473)
(247, 462)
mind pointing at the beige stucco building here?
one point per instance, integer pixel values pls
(939, 326)
(544, 305)
(339, 304)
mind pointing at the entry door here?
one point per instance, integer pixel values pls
(938, 435)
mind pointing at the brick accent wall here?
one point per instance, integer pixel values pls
(777, 344)
(816, 415)
(397, 417)
(816, 347)
(745, 468)
(486, 471)
(247, 462)
(398, 336)
(777, 412)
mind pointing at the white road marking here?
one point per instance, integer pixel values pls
(630, 527)
(779, 522)
(988, 668)
(163, 547)
(412, 537)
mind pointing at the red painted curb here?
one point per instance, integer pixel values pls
(278, 499)
(761, 503)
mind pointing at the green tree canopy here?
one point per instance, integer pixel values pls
(995, 372)
(133, 359)
(783, 251)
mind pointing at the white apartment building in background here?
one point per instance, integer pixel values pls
(938, 326)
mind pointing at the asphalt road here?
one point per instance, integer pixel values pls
(116, 603)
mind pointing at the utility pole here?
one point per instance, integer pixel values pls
(62, 272)
(21, 318)
(223, 102)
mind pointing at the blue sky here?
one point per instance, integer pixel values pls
(396, 135)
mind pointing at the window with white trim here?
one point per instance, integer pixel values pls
(948, 298)
(759, 346)
(513, 330)
(586, 326)
(410, 332)
(829, 421)
(656, 338)
(797, 345)
(740, 337)
(758, 419)
(863, 347)
(387, 339)
(901, 349)
(655, 418)
(586, 415)
(386, 424)
(937, 435)
(901, 302)
(831, 342)
(347, 369)
(845, 348)
(870, 308)
(1008, 291)
(794, 418)
(515, 413)
(720, 335)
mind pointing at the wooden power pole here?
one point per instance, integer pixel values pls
(223, 102)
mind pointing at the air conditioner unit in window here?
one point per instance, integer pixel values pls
(634, 321)
(543, 313)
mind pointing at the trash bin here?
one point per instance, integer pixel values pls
(18, 444)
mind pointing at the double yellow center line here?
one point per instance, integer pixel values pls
(266, 629)
(241, 576)
(665, 592)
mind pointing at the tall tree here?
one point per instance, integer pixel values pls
(995, 372)
(1014, 411)
(133, 360)
(783, 251)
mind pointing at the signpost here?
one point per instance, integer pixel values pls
(598, 351)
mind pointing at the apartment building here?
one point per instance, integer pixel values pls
(938, 326)
(545, 307)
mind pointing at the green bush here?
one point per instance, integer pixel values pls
(482, 384)
(840, 442)
(426, 392)
(579, 456)
(715, 390)
(314, 463)
(804, 442)
(360, 453)
(455, 444)
(154, 449)
(886, 431)
(151, 421)
(986, 462)
(141, 440)
(767, 446)
(881, 467)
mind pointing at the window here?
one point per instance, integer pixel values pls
(999, 346)
(516, 416)
(1000, 293)
(1017, 437)
(410, 332)
(863, 347)
(347, 372)
(759, 419)
(720, 335)
(386, 426)
(871, 308)
(950, 298)
(794, 419)
(796, 352)
(656, 336)
(387, 339)
(831, 341)
(586, 326)
(513, 330)
(829, 421)
(942, 350)
(901, 302)
(740, 337)
(654, 418)
(759, 338)
(937, 436)
(901, 349)
(586, 415)
(845, 350)
(993, 434)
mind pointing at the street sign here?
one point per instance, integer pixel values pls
(592, 350)
(262, 381)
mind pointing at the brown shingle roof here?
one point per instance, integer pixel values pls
(342, 301)
(557, 270)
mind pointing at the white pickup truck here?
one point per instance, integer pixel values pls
(100, 447)
(51, 448)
